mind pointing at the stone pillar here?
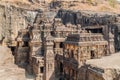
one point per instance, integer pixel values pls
(79, 54)
(105, 32)
(49, 73)
(35, 48)
(57, 45)
(111, 43)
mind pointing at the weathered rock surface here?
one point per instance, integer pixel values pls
(6, 56)
(86, 18)
(11, 72)
(12, 19)
(8, 70)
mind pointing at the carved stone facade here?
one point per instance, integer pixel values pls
(49, 59)
(78, 48)
(22, 48)
(57, 51)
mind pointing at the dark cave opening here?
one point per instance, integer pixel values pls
(12, 49)
(95, 30)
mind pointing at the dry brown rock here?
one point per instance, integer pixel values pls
(8, 70)
(6, 56)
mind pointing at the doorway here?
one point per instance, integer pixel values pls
(61, 67)
(12, 49)
(92, 54)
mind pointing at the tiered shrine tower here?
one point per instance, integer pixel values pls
(49, 58)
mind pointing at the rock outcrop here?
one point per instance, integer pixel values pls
(8, 70)
(12, 19)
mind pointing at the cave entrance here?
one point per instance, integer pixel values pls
(95, 30)
(41, 69)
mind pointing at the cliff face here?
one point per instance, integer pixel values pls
(86, 18)
(12, 19)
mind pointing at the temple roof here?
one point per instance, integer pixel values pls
(86, 39)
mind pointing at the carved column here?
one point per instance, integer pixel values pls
(111, 43)
(49, 73)
(79, 55)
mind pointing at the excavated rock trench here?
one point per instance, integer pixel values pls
(13, 19)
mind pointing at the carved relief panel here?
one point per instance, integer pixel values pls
(36, 36)
(49, 53)
(50, 66)
(83, 51)
(76, 54)
(101, 50)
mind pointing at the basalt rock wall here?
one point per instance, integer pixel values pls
(12, 19)
(86, 18)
